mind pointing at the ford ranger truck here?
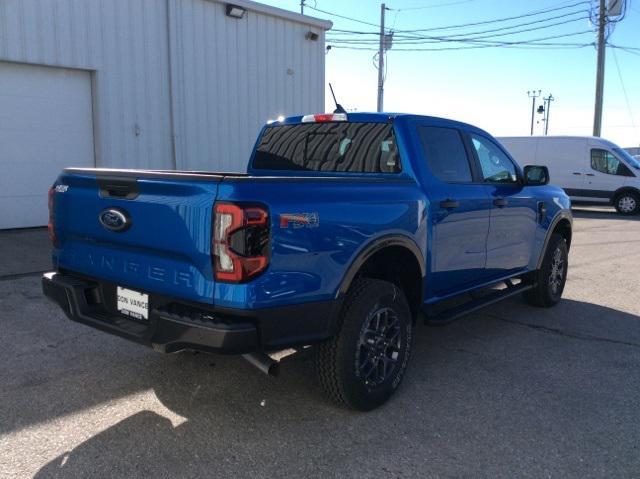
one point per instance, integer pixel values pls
(345, 230)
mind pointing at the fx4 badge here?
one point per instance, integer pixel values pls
(299, 220)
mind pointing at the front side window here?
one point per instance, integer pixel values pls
(445, 154)
(495, 166)
(332, 147)
(604, 162)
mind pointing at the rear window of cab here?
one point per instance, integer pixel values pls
(349, 147)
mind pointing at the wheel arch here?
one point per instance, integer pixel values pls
(624, 189)
(562, 223)
(394, 258)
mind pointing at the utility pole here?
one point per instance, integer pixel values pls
(602, 24)
(533, 95)
(302, 7)
(381, 60)
(547, 110)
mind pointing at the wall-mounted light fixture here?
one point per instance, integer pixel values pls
(234, 11)
(313, 36)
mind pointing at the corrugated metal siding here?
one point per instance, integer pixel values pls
(233, 75)
(228, 76)
(124, 44)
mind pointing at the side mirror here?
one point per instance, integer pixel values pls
(535, 175)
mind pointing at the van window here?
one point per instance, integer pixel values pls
(628, 158)
(605, 162)
(445, 154)
(495, 165)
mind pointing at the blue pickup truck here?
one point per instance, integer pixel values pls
(346, 230)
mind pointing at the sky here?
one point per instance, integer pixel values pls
(487, 86)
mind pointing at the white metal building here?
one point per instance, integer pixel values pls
(143, 84)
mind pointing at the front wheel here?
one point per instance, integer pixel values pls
(365, 361)
(627, 203)
(550, 279)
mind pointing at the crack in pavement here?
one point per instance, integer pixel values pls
(584, 337)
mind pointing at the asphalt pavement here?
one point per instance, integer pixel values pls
(510, 391)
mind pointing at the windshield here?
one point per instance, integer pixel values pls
(630, 160)
(332, 147)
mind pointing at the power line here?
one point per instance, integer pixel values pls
(523, 46)
(454, 38)
(489, 43)
(342, 16)
(398, 37)
(624, 90)
(462, 25)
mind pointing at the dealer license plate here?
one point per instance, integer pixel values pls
(132, 303)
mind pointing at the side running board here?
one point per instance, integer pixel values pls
(446, 316)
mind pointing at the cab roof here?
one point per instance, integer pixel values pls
(386, 117)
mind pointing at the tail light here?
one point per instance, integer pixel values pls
(51, 225)
(240, 242)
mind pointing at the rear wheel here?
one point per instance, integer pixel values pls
(627, 203)
(365, 361)
(550, 279)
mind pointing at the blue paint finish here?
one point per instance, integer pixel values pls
(168, 247)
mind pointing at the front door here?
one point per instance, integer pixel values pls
(605, 175)
(514, 210)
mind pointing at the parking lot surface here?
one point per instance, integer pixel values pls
(510, 391)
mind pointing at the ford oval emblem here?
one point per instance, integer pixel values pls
(115, 219)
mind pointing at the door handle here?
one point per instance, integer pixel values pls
(576, 173)
(591, 174)
(500, 202)
(449, 204)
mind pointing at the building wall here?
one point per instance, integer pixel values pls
(175, 83)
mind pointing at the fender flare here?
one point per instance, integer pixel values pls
(373, 247)
(562, 215)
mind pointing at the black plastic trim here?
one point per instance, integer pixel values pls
(174, 324)
(563, 214)
(372, 248)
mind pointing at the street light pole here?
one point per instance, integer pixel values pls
(533, 95)
(547, 110)
(381, 61)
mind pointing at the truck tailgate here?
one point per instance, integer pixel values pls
(165, 247)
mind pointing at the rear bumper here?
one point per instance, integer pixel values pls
(174, 325)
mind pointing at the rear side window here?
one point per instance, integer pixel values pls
(445, 153)
(333, 147)
(604, 162)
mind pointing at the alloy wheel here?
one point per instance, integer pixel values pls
(379, 347)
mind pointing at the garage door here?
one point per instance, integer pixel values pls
(45, 125)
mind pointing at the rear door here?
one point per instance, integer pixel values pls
(459, 212)
(514, 209)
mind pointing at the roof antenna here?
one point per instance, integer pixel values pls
(339, 108)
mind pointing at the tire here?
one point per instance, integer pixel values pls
(627, 203)
(550, 279)
(375, 323)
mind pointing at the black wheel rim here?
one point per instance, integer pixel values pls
(556, 275)
(379, 347)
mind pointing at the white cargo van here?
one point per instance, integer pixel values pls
(590, 169)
